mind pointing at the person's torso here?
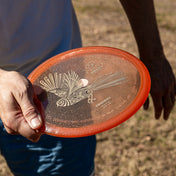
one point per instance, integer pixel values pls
(33, 30)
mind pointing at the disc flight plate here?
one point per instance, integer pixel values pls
(89, 90)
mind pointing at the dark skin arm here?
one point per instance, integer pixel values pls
(141, 15)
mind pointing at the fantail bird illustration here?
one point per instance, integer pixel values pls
(71, 89)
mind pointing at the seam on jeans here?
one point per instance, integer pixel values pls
(93, 173)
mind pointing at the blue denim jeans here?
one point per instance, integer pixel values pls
(49, 156)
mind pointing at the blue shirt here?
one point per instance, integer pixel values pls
(32, 31)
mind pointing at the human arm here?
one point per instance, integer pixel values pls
(141, 15)
(18, 112)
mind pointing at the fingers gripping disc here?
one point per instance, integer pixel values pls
(89, 90)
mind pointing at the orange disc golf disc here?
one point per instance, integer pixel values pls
(89, 90)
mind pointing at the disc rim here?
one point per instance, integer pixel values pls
(89, 130)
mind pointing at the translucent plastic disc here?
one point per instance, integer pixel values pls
(89, 90)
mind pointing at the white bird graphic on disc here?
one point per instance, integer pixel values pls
(71, 89)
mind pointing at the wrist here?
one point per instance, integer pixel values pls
(147, 55)
(2, 71)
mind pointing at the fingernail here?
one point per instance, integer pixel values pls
(35, 123)
(157, 116)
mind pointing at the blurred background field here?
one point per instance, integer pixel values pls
(142, 146)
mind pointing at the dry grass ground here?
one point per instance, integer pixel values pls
(142, 146)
